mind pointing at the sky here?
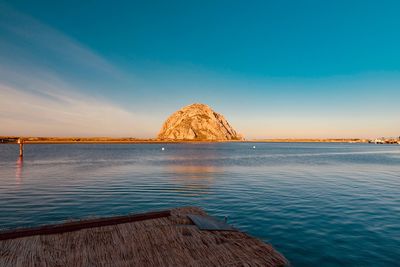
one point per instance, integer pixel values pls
(274, 69)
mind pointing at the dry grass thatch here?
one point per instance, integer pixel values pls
(167, 241)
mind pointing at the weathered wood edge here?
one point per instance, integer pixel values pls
(79, 225)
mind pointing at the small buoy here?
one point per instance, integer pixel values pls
(254, 147)
(162, 148)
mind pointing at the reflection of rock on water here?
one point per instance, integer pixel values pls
(196, 179)
(195, 172)
(192, 168)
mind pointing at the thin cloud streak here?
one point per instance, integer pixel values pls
(24, 113)
(36, 99)
(45, 38)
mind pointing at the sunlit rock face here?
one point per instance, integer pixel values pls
(197, 122)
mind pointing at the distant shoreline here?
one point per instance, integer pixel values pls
(109, 140)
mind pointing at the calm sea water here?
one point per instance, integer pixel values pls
(318, 204)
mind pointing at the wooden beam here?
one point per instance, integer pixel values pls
(79, 225)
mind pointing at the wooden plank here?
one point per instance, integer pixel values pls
(79, 225)
(209, 223)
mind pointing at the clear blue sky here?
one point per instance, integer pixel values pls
(273, 68)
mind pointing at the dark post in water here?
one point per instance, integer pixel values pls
(21, 147)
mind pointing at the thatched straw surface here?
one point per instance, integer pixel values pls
(167, 241)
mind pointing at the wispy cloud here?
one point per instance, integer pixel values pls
(26, 113)
(58, 46)
(38, 98)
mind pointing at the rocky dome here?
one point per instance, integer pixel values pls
(197, 122)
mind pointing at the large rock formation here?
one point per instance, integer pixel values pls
(197, 122)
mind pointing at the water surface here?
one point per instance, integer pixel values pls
(319, 204)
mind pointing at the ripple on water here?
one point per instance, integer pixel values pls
(319, 204)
